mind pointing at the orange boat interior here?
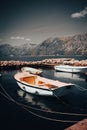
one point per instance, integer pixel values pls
(35, 81)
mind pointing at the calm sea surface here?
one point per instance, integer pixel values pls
(37, 58)
(21, 110)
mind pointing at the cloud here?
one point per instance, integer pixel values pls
(18, 38)
(28, 39)
(79, 14)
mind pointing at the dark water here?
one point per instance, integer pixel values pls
(13, 113)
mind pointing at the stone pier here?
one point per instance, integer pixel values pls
(44, 63)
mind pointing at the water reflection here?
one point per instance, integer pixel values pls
(69, 75)
(33, 100)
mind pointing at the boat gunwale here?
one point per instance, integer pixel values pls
(70, 67)
(33, 86)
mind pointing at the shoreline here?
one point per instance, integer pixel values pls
(43, 63)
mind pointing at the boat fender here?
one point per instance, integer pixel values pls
(36, 93)
(24, 88)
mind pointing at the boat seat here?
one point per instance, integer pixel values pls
(40, 82)
(50, 86)
(30, 80)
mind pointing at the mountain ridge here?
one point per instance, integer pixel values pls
(71, 45)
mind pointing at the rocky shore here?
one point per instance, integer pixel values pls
(65, 61)
(44, 63)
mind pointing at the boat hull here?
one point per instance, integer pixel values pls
(35, 90)
(71, 69)
(31, 70)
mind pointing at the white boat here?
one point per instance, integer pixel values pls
(38, 85)
(72, 69)
(31, 70)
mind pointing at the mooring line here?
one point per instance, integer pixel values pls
(6, 94)
(80, 88)
(33, 108)
(51, 119)
(43, 117)
(64, 103)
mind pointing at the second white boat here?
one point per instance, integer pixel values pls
(72, 69)
(31, 70)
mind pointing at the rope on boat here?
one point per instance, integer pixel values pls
(67, 105)
(6, 95)
(80, 88)
(59, 98)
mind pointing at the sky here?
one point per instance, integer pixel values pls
(36, 20)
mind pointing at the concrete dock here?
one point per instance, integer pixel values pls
(81, 125)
